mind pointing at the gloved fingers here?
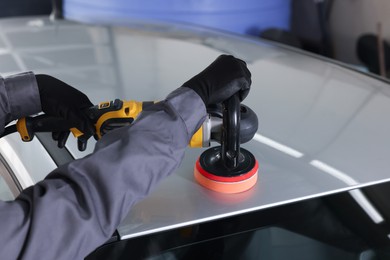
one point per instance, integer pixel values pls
(62, 100)
(82, 122)
(246, 80)
(82, 142)
(85, 125)
(244, 88)
(61, 138)
(55, 135)
(223, 78)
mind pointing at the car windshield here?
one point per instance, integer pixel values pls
(330, 227)
(321, 125)
(8, 189)
(5, 191)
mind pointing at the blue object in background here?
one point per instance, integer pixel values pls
(239, 16)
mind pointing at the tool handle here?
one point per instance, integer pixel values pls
(28, 126)
(105, 116)
(44, 123)
(229, 123)
(230, 144)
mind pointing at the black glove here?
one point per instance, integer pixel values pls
(61, 100)
(222, 79)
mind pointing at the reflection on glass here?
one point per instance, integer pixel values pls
(358, 196)
(278, 146)
(334, 172)
(17, 166)
(366, 205)
(5, 191)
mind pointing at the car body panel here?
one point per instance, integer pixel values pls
(321, 124)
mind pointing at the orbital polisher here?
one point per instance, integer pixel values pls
(226, 168)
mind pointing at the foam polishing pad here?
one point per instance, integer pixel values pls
(211, 173)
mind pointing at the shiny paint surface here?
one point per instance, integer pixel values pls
(322, 126)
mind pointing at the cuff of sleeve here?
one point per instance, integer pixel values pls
(23, 94)
(189, 106)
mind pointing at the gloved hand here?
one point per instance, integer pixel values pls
(222, 79)
(61, 100)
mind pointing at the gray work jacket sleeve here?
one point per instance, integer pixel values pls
(19, 97)
(79, 205)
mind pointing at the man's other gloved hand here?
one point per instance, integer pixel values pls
(222, 79)
(61, 100)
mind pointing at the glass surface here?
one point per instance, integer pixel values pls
(269, 243)
(330, 227)
(5, 191)
(8, 189)
(321, 125)
(29, 161)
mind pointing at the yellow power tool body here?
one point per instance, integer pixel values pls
(111, 115)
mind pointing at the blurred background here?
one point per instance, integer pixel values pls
(351, 31)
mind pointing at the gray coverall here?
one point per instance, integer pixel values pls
(78, 206)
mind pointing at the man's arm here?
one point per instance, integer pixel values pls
(19, 97)
(79, 205)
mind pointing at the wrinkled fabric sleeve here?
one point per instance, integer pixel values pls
(79, 205)
(19, 97)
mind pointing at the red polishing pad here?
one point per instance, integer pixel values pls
(226, 183)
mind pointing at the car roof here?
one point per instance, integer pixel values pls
(322, 126)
